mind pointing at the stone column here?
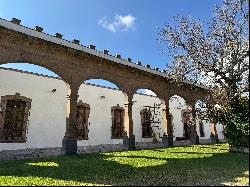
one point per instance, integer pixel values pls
(167, 139)
(69, 143)
(214, 136)
(194, 138)
(129, 137)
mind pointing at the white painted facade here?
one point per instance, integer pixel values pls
(48, 111)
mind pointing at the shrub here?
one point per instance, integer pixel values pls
(236, 123)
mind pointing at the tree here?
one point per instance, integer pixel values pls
(214, 53)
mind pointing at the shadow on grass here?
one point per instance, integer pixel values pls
(121, 168)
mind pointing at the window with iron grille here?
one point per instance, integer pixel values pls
(82, 120)
(14, 118)
(147, 131)
(117, 129)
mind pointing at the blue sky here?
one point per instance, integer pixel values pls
(125, 27)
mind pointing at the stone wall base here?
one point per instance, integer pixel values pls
(100, 148)
(30, 153)
(148, 145)
(57, 151)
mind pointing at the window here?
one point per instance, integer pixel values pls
(117, 122)
(14, 118)
(146, 123)
(201, 127)
(82, 118)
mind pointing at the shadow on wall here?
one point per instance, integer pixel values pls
(172, 166)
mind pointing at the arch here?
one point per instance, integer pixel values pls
(44, 116)
(75, 66)
(151, 91)
(146, 92)
(181, 96)
(201, 109)
(177, 102)
(109, 79)
(49, 68)
(101, 83)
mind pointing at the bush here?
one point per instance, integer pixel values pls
(236, 123)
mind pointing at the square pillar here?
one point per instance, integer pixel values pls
(167, 139)
(194, 138)
(69, 142)
(69, 145)
(129, 137)
(214, 136)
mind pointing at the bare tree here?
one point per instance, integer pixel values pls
(214, 53)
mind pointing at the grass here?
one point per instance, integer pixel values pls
(190, 165)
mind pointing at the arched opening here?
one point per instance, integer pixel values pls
(30, 68)
(101, 83)
(207, 128)
(106, 111)
(146, 92)
(47, 114)
(202, 122)
(178, 108)
(147, 116)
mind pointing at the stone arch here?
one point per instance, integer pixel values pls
(75, 65)
(120, 84)
(158, 92)
(43, 65)
(103, 82)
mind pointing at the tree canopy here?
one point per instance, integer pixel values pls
(214, 53)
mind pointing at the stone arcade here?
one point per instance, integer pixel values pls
(75, 64)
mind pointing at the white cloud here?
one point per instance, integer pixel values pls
(120, 22)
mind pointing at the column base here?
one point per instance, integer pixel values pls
(194, 139)
(214, 138)
(129, 142)
(69, 146)
(167, 141)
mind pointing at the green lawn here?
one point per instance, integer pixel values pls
(190, 165)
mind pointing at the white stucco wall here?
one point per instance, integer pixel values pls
(48, 111)
(220, 131)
